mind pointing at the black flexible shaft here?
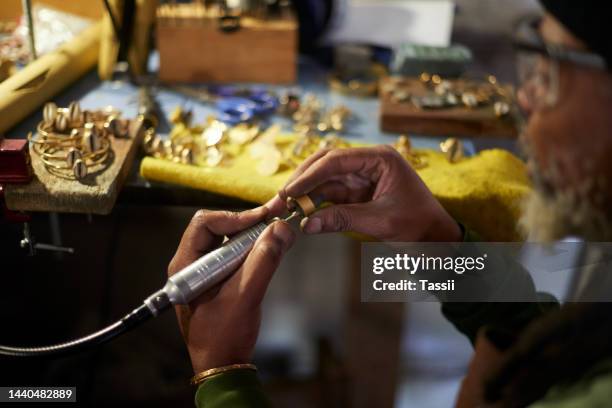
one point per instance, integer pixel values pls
(135, 318)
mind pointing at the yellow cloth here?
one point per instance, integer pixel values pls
(484, 191)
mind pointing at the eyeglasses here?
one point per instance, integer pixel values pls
(538, 64)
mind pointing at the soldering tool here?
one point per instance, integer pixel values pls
(181, 288)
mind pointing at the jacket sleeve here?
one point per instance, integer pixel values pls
(235, 389)
(470, 317)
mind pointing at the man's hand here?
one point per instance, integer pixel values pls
(376, 193)
(222, 325)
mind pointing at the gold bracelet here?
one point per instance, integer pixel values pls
(47, 133)
(204, 375)
(91, 158)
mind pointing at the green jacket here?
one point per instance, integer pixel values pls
(235, 389)
(242, 388)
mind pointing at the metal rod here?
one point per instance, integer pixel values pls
(27, 12)
(292, 216)
(109, 10)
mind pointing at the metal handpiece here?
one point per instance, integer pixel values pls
(184, 286)
(212, 268)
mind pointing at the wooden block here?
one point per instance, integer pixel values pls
(96, 194)
(404, 117)
(195, 50)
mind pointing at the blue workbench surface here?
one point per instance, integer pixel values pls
(93, 93)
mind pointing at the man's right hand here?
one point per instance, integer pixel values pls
(221, 326)
(375, 192)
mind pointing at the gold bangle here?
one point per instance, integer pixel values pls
(204, 375)
(47, 133)
(92, 158)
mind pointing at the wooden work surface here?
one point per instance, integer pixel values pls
(405, 117)
(95, 194)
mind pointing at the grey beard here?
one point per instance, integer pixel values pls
(549, 218)
(551, 214)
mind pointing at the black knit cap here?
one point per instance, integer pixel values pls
(588, 20)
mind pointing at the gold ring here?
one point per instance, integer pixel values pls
(304, 203)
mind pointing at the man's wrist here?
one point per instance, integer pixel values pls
(444, 229)
(202, 362)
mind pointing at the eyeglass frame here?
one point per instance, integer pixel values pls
(558, 52)
(531, 42)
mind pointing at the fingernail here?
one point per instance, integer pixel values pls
(311, 225)
(283, 232)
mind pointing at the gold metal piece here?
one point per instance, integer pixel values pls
(117, 127)
(404, 147)
(149, 140)
(443, 87)
(334, 119)
(75, 115)
(304, 203)
(80, 169)
(469, 99)
(312, 117)
(168, 149)
(501, 109)
(61, 122)
(213, 157)
(157, 146)
(453, 148)
(49, 112)
(75, 133)
(72, 156)
(417, 162)
(242, 133)
(187, 156)
(400, 96)
(91, 138)
(271, 163)
(403, 142)
(306, 145)
(333, 141)
(366, 85)
(213, 134)
(178, 115)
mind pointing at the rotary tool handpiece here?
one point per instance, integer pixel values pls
(203, 274)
